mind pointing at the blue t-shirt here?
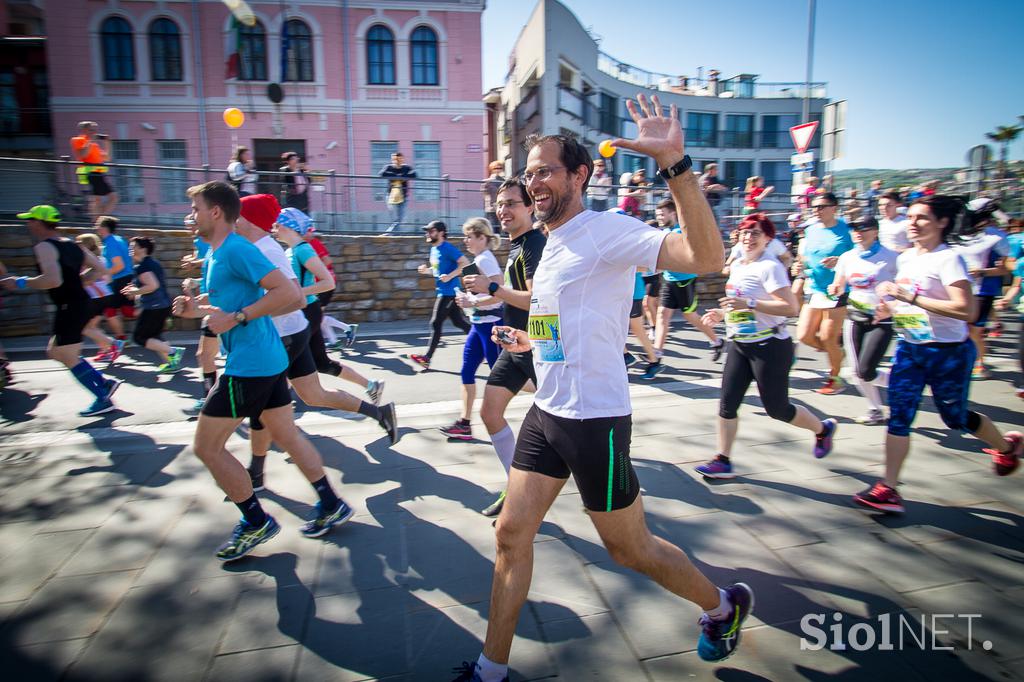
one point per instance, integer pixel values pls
(233, 277)
(670, 276)
(821, 242)
(1016, 242)
(639, 286)
(299, 255)
(114, 246)
(444, 259)
(159, 298)
(202, 251)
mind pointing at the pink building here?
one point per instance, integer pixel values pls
(360, 80)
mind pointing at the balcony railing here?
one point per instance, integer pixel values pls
(732, 139)
(25, 121)
(683, 85)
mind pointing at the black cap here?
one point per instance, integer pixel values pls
(436, 225)
(866, 224)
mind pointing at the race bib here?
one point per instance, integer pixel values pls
(545, 331)
(912, 323)
(741, 323)
(863, 300)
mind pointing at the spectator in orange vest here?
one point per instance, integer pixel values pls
(92, 149)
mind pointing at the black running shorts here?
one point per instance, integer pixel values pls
(300, 357)
(512, 371)
(69, 321)
(679, 295)
(238, 397)
(594, 451)
(638, 308)
(652, 285)
(99, 185)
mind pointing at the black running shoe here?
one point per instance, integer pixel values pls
(389, 421)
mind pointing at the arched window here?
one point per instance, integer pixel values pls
(165, 51)
(380, 56)
(118, 51)
(299, 51)
(424, 56)
(252, 52)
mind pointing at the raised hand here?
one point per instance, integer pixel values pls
(660, 137)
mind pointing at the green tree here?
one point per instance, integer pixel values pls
(1004, 135)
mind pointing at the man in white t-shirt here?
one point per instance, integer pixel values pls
(892, 226)
(580, 423)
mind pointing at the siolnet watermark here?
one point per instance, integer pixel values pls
(887, 632)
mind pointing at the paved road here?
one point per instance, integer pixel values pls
(108, 526)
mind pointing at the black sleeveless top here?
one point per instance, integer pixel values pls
(70, 258)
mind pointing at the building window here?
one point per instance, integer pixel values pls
(380, 156)
(424, 57)
(298, 46)
(128, 181)
(426, 159)
(777, 174)
(609, 118)
(775, 131)
(380, 56)
(701, 129)
(173, 183)
(118, 50)
(739, 131)
(736, 173)
(10, 111)
(252, 52)
(165, 51)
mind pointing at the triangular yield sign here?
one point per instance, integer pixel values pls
(802, 135)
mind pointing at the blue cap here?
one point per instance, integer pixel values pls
(294, 219)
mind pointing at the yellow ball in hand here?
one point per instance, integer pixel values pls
(606, 149)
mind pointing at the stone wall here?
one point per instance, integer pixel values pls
(377, 278)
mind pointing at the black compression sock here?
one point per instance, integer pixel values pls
(369, 409)
(328, 500)
(256, 465)
(252, 512)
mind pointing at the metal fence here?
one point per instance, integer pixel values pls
(342, 203)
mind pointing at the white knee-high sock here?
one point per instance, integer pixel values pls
(504, 443)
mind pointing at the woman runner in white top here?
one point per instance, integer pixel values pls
(484, 312)
(755, 306)
(930, 303)
(859, 271)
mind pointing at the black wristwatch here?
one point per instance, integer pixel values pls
(492, 288)
(241, 318)
(678, 169)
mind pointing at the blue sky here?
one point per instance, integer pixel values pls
(924, 80)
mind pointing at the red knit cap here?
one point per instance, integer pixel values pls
(261, 210)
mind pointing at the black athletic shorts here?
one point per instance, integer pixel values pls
(238, 397)
(119, 300)
(69, 321)
(638, 308)
(512, 371)
(98, 305)
(594, 451)
(99, 185)
(207, 333)
(984, 310)
(652, 284)
(150, 324)
(679, 295)
(300, 363)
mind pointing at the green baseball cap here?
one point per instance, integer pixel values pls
(44, 212)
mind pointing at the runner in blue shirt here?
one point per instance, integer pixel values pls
(254, 382)
(444, 259)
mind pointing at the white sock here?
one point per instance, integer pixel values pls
(724, 609)
(882, 379)
(491, 671)
(869, 391)
(504, 443)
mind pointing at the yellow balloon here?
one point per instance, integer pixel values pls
(606, 149)
(233, 117)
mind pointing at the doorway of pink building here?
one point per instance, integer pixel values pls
(267, 155)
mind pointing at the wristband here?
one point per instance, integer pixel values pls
(913, 299)
(21, 282)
